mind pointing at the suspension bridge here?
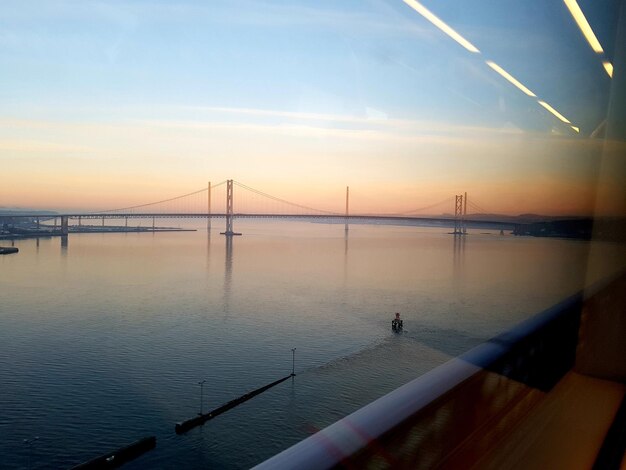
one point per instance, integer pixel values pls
(222, 201)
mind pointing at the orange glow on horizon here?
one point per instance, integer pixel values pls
(92, 167)
(505, 198)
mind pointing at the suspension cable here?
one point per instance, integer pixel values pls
(448, 199)
(161, 202)
(269, 196)
(475, 206)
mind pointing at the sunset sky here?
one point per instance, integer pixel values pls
(111, 104)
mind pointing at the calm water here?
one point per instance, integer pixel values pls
(103, 341)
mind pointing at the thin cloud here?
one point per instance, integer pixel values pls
(248, 13)
(38, 146)
(297, 125)
(395, 123)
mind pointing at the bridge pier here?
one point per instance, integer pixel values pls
(64, 225)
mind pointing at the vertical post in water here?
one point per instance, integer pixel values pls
(38, 225)
(103, 221)
(208, 218)
(126, 222)
(153, 224)
(347, 205)
(465, 213)
(293, 362)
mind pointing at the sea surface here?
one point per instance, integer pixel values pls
(103, 339)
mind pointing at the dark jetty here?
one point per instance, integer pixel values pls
(203, 418)
(120, 456)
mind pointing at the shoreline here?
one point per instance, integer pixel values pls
(57, 233)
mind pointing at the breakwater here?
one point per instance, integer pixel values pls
(120, 456)
(199, 420)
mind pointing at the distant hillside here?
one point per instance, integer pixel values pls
(10, 212)
(523, 218)
(606, 228)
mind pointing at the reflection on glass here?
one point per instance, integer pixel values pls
(584, 26)
(120, 104)
(509, 77)
(418, 7)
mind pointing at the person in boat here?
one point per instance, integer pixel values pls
(396, 323)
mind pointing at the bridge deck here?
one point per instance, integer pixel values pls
(340, 218)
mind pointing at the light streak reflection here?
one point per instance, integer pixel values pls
(554, 111)
(583, 24)
(509, 77)
(422, 10)
(578, 17)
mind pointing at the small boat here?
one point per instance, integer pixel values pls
(5, 250)
(396, 324)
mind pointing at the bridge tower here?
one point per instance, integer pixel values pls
(458, 215)
(229, 210)
(465, 213)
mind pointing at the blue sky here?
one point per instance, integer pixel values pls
(96, 95)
